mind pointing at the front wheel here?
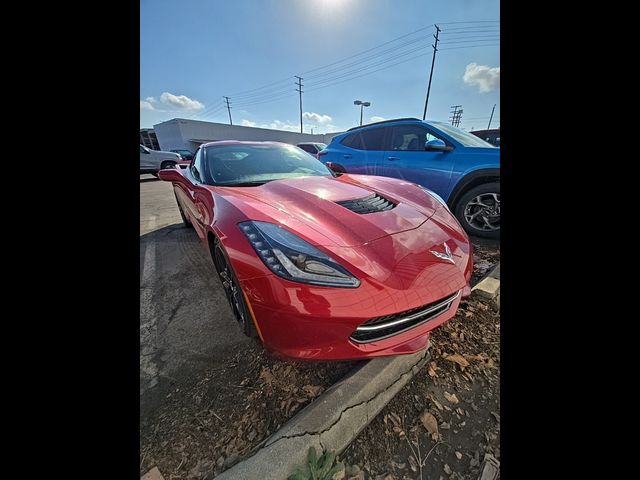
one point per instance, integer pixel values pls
(478, 211)
(233, 292)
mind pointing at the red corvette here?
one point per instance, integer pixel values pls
(321, 265)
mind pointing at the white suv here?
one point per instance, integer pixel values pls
(152, 161)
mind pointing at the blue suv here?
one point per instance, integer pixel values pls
(459, 167)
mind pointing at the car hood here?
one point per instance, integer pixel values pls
(312, 201)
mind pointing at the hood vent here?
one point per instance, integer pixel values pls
(369, 204)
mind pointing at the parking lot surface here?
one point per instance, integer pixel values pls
(185, 321)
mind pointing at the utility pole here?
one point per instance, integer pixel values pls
(228, 109)
(433, 61)
(491, 117)
(456, 115)
(299, 90)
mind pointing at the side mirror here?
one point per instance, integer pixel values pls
(437, 145)
(171, 175)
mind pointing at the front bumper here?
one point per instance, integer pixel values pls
(398, 275)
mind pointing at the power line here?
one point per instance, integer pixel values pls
(472, 46)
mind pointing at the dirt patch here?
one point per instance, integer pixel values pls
(226, 414)
(443, 422)
(485, 257)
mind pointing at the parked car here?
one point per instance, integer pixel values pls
(459, 167)
(321, 266)
(312, 148)
(186, 155)
(152, 161)
(492, 136)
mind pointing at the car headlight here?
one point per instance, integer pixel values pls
(436, 196)
(290, 257)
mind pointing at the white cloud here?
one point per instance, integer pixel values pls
(377, 119)
(151, 99)
(486, 78)
(275, 125)
(317, 118)
(180, 102)
(144, 105)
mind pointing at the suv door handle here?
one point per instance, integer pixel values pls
(347, 155)
(393, 158)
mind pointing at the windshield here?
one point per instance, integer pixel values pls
(465, 138)
(237, 165)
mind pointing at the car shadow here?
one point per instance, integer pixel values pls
(149, 178)
(186, 324)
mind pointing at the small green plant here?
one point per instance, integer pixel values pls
(322, 468)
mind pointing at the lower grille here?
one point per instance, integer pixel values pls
(389, 325)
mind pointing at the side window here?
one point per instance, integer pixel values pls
(353, 141)
(410, 138)
(372, 139)
(308, 148)
(196, 165)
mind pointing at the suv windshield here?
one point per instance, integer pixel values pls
(242, 165)
(465, 138)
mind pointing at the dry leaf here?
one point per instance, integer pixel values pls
(431, 372)
(451, 398)
(430, 423)
(395, 419)
(445, 426)
(447, 469)
(460, 411)
(474, 357)
(267, 376)
(312, 390)
(458, 455)
(459, 359)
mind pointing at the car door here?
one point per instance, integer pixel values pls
(364, 152)
(145, 158)
(406, 157)
(187, 197)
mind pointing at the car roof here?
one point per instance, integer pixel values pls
(406, 119)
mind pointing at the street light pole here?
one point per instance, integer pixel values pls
(362, 105)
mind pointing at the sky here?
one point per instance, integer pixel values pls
(194, 52)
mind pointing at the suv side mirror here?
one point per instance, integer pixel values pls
(437, 145)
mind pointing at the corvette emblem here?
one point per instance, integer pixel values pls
(446, 255)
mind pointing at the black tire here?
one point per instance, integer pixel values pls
(185, 220)
(232, 290)
(169, 164)
(478, 212)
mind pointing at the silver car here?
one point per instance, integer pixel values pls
(152, 161)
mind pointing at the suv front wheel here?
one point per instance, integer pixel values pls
(478, 211)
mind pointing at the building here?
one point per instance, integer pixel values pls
(180, 133)
(148, 138)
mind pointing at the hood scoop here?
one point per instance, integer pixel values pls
(369, 204)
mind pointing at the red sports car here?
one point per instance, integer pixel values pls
(321, 265)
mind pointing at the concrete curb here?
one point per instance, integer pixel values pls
(489, 286)
(333, 420)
